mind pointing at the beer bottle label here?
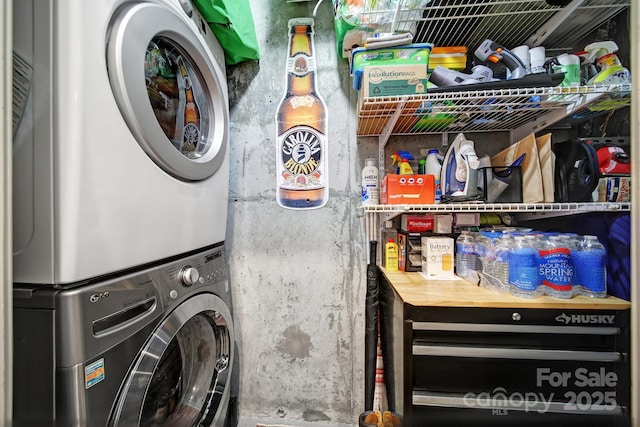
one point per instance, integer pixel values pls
(300, 159)
(301, 64)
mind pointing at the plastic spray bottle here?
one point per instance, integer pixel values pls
(611, 70)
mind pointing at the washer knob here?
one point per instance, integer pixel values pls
(189, 275)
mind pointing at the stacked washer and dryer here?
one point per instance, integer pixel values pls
(121, 290)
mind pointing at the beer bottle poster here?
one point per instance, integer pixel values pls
(301, 122)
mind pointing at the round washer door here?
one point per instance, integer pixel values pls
(169, 88)
(180, 377)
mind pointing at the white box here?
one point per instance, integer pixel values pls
(437, 258)
(614, 189)
(443, 224)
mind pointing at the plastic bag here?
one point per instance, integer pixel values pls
(232, 23)
(355, 20)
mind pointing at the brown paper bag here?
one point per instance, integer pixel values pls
(547, 166)
(532, 188)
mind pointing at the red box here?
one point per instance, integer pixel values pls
(417, 223)
(407, 190)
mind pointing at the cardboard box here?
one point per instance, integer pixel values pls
(389, 58)
(444, 224)
(417, 223)
(394, 80)
(614, 189)
(407, 189)
(437, 258)
(409, 251)
(466, 219)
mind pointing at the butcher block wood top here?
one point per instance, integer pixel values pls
(416, 290)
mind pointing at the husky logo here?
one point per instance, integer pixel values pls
(603, 319)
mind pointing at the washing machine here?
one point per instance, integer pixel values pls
(120, 143)
(151, 348)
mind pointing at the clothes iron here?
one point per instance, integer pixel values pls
(459, 176)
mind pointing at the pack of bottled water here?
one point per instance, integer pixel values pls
(528, 263)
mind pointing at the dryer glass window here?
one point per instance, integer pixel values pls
(178, 96)
(185, 381)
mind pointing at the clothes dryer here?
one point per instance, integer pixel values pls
(121, 128)
(152, 348)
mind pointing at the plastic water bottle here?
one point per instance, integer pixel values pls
(503, 247)
(480, 249)
(433, 167)
(591, 271)
(571, 241)
(466, 258)
(556, 269)
(485, 250)
(370, 189)
(523, 272)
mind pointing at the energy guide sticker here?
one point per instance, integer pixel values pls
(93, 373)
(22, 76)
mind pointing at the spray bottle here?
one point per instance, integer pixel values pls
(611, 70)
(401, 161)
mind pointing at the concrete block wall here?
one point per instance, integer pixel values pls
(297, 277)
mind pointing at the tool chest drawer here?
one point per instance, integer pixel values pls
(497, 366)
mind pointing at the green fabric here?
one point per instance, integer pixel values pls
(232, 23)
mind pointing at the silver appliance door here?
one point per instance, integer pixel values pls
(180, 376)
(169, 88)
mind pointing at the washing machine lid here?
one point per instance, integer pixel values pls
(170, 89)
(180, 377)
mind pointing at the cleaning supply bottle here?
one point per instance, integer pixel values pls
(391, 255)
(610, 69)
(405, 167)
(370, 189)
(401, 160)
(421, 166)
(433, 167)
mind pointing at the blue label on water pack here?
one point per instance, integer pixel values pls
(523, 273)
(556, 269)
(465, 248)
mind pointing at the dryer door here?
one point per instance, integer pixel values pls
(180, 377)
(170, 89)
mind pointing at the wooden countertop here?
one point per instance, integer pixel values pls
(416, 290)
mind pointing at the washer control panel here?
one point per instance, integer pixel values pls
(205, 269)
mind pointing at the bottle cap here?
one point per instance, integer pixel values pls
(391, 240)
(370, 162)
(432, 151)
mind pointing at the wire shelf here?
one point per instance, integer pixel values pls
(525, 211)
(486, 110)
(510, 23)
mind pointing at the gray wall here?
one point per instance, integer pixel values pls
(298, 277)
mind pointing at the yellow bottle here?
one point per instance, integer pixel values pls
(405, 167)
(391, 255)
